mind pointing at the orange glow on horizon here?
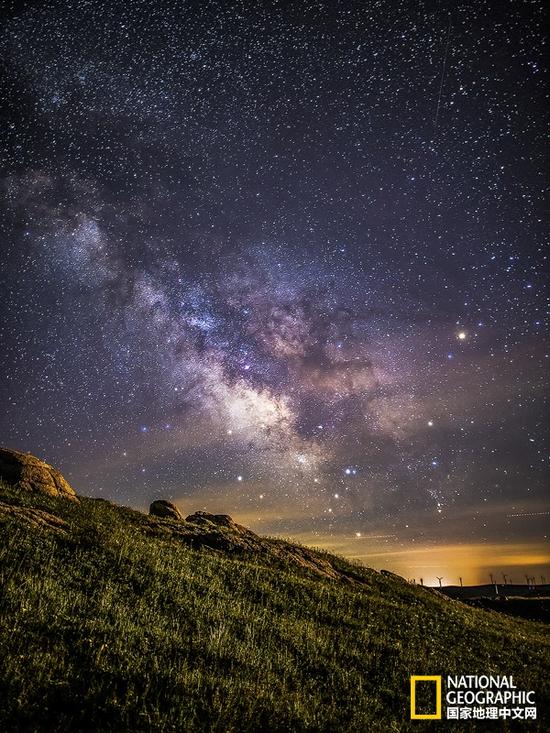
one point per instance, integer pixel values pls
(473, 562)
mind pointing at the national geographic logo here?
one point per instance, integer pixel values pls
(470, 697)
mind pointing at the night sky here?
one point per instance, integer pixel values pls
(285, 261)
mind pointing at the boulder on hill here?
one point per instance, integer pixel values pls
(29, 473)
(220, 520)
(165, 510)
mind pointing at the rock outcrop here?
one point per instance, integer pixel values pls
(165, 510)
(26, 472)
(206, 519)
(34, 517)
(220, 532)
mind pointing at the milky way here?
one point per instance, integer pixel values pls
(284, 261)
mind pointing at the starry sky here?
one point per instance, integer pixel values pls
(285, 261)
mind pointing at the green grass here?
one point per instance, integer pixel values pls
(108, 627)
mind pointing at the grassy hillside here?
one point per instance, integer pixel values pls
(113, 621)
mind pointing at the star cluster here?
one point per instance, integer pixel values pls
(285, 261)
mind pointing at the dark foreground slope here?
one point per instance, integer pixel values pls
(111, 620)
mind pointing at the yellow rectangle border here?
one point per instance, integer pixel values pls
(426, 678)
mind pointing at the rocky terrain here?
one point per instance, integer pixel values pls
(28, 473)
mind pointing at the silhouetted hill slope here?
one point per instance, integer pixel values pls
(113, 620)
